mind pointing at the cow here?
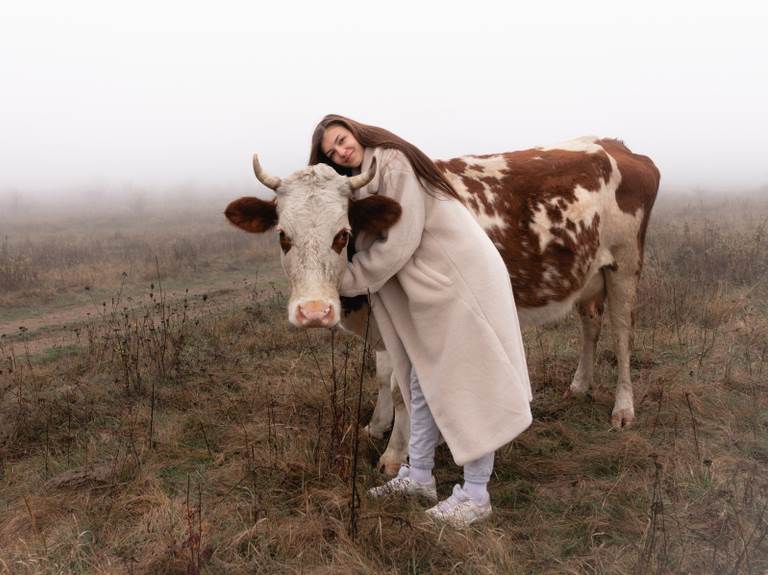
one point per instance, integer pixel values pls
(569, 221)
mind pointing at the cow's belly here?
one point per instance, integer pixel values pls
(554, 310)
(547, 313)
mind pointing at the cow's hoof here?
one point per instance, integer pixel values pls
(390, 464)
(575, 391)
(622, 418)
(374, 432)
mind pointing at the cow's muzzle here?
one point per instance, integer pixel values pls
(315, 313)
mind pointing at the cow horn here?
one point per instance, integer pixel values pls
(272, 182)
(357, 182)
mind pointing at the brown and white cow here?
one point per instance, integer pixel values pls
(569, 221)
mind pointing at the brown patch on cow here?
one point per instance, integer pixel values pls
(638, 187)
(477, 202)
(473, 204)
(554, 213)
(532, 181)
(455, 166)
(252, 214)
(474, 186)
(639, 177)
(373, 215)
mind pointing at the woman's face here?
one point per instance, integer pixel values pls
(341, 147)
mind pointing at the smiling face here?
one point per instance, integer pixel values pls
(341, 147)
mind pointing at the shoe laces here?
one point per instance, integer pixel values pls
(457, 497)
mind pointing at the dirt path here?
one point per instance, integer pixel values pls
(33, 332)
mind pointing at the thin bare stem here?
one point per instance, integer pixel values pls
(355, 500)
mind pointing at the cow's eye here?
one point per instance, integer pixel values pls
(285, 242)
(340, 241)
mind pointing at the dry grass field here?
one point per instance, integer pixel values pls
(159, 415)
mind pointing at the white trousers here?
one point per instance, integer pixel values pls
(425, 436)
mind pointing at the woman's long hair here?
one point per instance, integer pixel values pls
(374, 137)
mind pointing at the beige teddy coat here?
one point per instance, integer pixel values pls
(442, 299)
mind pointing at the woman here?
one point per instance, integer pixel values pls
(442, 299)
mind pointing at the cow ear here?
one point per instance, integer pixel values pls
(252, 214)
(374, 214)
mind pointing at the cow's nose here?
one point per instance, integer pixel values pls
(314, 314)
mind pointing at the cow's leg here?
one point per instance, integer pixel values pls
(591, 313)
(381, 420)
(621, 285)
(396, 452)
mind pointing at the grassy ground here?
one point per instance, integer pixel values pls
(184, 432)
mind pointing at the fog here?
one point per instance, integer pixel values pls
(142, 95)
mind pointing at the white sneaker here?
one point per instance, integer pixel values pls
(403, 484)
(460, 510)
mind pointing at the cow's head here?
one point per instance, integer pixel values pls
(315, 217)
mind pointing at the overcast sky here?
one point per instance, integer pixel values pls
(109, 94)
